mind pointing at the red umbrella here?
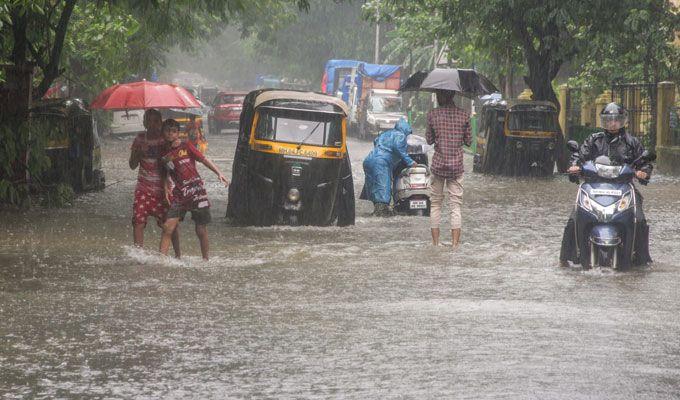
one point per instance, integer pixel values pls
(144, 95)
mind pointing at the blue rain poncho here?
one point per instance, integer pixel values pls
(388, 150)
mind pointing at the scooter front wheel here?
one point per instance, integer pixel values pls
(604, 256)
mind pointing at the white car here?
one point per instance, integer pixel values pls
(127, 122)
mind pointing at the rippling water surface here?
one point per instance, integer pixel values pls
(369, 311)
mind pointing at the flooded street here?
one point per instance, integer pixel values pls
(366, 312)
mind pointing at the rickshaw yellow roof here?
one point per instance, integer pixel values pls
(302, 96)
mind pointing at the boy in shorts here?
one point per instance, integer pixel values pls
(179, 164)
(145, 153)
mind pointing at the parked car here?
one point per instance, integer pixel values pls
(383, 110)
(127, 122)
(225, 112)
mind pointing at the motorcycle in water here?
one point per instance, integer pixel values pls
(606, 211)
(411, 192)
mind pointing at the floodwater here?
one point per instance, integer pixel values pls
(366, 312)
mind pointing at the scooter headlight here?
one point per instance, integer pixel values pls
(585, 202)
(625, 202)
(293, 195)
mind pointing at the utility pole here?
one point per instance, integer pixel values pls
(376, 57)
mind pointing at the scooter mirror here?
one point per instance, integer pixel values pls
(648, 155)
(572, 145)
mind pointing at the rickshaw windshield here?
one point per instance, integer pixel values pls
(50, 126)
(532, 121)
(296, 126)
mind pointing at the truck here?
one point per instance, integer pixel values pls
(370, 91)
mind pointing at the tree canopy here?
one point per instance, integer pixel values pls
(597, 37)
(112, 38)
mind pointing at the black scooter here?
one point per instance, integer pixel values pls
(606, 211)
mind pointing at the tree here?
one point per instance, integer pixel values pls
(36, 31)
(553, 33)
(100, 54)
(40, 33)
(640, 50)
(417, 28)
(299, 43)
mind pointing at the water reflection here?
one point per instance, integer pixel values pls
(369, 311)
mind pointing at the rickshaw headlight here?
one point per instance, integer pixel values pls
(518, 144)
(294, 195)
(551, 146)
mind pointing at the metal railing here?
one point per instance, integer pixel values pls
(640, 101)
(577, 129)
(674, 134)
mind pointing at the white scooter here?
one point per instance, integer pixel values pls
(412, 184)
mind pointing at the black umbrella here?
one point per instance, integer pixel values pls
(464, 81)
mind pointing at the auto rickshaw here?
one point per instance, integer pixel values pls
(291, 164)
(190, 125)
(73, 145)
(517, 138)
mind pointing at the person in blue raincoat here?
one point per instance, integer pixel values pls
(389, 149)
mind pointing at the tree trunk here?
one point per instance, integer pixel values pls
(52, 70)
(540, 82)
(20, 47)
(19, 58)
(541, 73)
(509, 75)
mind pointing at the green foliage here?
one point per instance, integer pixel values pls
(106, 41)
(92, 44)
(639, 49)
(59, 196)
(279, 38)
(416, 28)
(99, 54)
(298, 44)
(21, 151)
(601, 39)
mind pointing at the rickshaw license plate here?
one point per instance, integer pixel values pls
(417, 204)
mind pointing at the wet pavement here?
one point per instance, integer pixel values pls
(369, 311)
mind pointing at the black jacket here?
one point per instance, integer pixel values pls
(621, 148)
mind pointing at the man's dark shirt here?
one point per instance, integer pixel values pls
(621, 148)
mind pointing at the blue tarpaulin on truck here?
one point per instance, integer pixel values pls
(328, 85)
(378, 72)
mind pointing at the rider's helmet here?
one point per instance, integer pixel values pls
(613, 117)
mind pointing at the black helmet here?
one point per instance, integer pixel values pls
(613, 117)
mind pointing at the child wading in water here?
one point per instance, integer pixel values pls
(179, 163)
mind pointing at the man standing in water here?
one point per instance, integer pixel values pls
(149, 194)
(448, 128)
